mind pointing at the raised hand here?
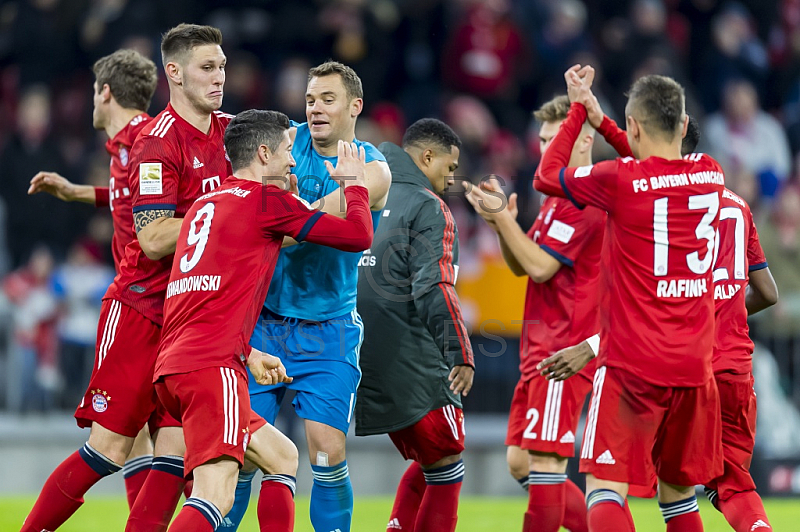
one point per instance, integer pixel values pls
(493, 185)
(351, 165)
(489, 204)
(579, 89)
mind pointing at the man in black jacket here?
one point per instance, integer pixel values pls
(416, 358)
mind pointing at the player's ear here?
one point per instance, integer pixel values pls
(586, 143)
(356, 106)
(427, 156)
(264, 154)
(106, 92)
(632, 126)
(685, 125)
(173, 71)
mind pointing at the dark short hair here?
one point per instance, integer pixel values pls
(183, 38)
(657, 103)
(350, 80)
(250, 129)
(431, 133)
(692, 138)
(131, 77)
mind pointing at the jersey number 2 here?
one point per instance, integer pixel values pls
(533, 415)
(198, 237)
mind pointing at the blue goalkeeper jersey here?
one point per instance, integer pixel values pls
(314, 282)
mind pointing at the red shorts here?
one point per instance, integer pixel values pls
(636, 430)
(544, 414)
(121, 396)
(213, 405)
(738, 402)
(438, 435)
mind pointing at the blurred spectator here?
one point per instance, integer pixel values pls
(32, 148)
(290, 88)
(736, 53)
(780, 239)
(487, 56)
(34, 353)
(743, 137)
(562, 36)
(79, 286)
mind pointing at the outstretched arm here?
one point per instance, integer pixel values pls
(62, 188)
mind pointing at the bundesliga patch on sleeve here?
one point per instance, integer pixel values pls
(150, 179)
(560, 231)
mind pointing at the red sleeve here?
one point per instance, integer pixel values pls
(354, 233)
(153, 175)
(756, 259)
(557, 155)
(101, 196)
(570, 231)
(615, 136)
(285, 214)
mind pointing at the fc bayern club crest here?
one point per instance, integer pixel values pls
(123, 155)
(100, 399)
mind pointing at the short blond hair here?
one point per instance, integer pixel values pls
(556, 110)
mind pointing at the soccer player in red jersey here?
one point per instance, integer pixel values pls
(655, 407)
(124, 85)
(743, 285)
(225, 257)
(177, 157)
(561, 256)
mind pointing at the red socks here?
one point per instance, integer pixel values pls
(407, 501)
(545, 506)
(63, 492)
(276, 503)
(135, 473)
(608, 516)
(159, 496)
(197, 515)
(438, 511)
(745, 512)
(574, 508)
(607, 511)
(690, 522)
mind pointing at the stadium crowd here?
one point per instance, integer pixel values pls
(483, 66)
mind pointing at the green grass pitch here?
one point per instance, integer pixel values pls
(476, 514)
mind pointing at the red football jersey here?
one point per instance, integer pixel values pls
(658, 305)
(224, 260)
(172, 163)
(564, 310)
(118, 193)
(738, 253)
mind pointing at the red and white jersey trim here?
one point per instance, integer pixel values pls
(552, 410)
(163, 125)
(230, 400)
(109, 331)
(587, 449)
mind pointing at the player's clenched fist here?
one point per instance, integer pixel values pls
(266, 369)
(350, 166)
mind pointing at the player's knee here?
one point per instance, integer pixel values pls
(446, 461)
(225, 502)
(547, 462)
(517, 460)
(289, 459)
(112, 446)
